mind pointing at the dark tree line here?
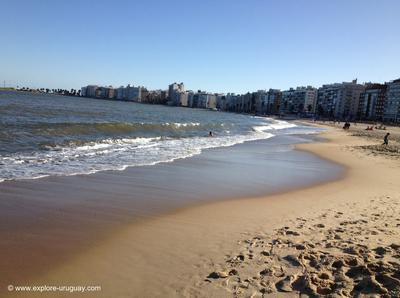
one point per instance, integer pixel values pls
(71, 92)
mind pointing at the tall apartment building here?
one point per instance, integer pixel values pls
(144, 93)
(195, 100)
(174, 91)
(153, 96)
(392, 107)
(260, 98)
(183, 99)
(120, 93)
(101, 92)
(211, 101)
(111, 92)
(229, 102)
(133, 93)
(91, 90)
(372, 102)
(200, 99)
(267, 102)
(190, 99)
(246, 103)
(273, 101)
(83, 91)
(339, 100)
(221, 101)
(299, 100)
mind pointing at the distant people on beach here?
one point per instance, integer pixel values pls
(346, 125)
(381, 127)
(386, 139)
(369, 128)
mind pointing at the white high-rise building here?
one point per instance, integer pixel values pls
(174, 91)
(299, 100)
(339, 100)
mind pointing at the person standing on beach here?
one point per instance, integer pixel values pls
(386, 139)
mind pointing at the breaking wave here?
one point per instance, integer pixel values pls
(86, 157)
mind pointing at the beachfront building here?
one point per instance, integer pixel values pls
(155, 97)
(299, 100)
(133, 93)
(174, 93)
(372, 102)
(102, 92)
(266, 101)
(83, 91)
(310, 99)
(183, 99)
(339, 100)
(238, 103)
(143, 94)
(193, 99)
(91, 90)
(260, 98)
(190, 99)
(245, 103)
(111, 92)
(211, 101)
(220, 97)
(274, 98)
(392, 107)
(120, 93)
(200, 99)
(229, 102)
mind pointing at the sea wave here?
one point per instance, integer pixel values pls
(109, 128)
(112, 155)
(87, 157)
(277, 124)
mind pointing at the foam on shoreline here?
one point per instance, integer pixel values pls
(75, 158)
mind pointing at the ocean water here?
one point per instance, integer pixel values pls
(46, 135)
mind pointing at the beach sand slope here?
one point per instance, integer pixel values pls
(351, 248)
(339, 238)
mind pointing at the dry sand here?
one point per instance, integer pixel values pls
(339, 238)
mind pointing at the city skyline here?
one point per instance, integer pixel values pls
(346, 100)
(218, 47)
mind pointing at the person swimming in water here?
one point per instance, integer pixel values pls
(210, 134)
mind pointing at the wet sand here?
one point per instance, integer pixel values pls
(46, 223)
(338, 238)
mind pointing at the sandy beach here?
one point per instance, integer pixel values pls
(200, 149)
(46, 222)
(338, 238)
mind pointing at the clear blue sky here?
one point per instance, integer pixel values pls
(217, 45)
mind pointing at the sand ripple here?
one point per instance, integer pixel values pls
(336, 254)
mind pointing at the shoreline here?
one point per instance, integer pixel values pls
(173, 255)
(60, 218)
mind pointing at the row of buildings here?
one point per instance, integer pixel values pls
(128, 93)
(341, 101)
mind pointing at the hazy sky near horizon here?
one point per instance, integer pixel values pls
(218, 46)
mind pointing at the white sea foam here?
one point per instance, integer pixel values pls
(117, 154)
(177, 124)
(276, 124)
